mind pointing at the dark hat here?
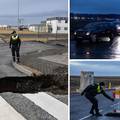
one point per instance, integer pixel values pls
(102, 84)
(13, 32)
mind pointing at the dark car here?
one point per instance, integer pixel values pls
(22, 27)
(116, 24)
(96, 31)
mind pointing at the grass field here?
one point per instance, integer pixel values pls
(26, 35)
(9, 31)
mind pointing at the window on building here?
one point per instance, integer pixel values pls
(66, 21)
(58, 28)
(65, 28)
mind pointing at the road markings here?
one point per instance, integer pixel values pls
(115, 104)
(87, 116)
(51, 105)
(7, 112)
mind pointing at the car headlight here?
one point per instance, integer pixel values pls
(75, 33)
(88, 33)
(118, 27)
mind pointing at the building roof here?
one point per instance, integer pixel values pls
(34, 24)
(57, 18)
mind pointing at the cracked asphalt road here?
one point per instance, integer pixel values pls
(29, 110)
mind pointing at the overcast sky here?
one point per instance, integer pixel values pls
(31, 10)
(100, 68)
(95, 6)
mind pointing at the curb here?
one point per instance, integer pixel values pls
(26, 70)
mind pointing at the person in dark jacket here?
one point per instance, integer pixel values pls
(15, 43)
(90, 92)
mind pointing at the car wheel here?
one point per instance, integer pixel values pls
(94, 38)
(111, 37)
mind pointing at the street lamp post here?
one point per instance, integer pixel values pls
(18, 12)
(56, 32)
(38, 31)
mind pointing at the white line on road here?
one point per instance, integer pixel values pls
(51, 105)
(87, 116)
(7, 112)
(115, 104)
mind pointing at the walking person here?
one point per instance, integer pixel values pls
(90, 92)
(15, 43)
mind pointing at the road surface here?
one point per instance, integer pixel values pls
(15, 106)
(101, 50)
(80, 106)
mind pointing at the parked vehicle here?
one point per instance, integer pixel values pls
(116, 24)
(95, 31)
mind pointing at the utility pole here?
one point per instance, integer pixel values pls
(38, 31)
(18, 13)
(56, 32)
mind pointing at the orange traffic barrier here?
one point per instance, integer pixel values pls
(116, 94)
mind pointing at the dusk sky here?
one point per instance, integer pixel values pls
(96, 6)
(100, 68)
(31, 10)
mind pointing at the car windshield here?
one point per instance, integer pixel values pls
(92, 26)
(97, 25)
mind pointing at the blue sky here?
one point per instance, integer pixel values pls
(31, 10)
(100, 68)
(95, 6)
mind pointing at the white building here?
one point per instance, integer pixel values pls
(58, 24)
(33, 27)
(86, 78)
(51, 25)
(4, 26)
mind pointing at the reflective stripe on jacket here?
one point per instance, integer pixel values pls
(14, 37)
(98, 89)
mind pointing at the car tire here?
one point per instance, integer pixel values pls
(93, 38)
(112, 37)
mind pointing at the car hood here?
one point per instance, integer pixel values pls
(85, 30)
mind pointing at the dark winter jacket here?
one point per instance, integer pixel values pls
(15, 41)
(93, 90)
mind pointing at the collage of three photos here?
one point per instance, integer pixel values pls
(59, 60)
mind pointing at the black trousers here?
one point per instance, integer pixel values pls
(15, 53)
(94, 102)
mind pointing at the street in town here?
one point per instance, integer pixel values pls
(37, 106)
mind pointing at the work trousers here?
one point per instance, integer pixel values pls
(15, 53)
(94, 102)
